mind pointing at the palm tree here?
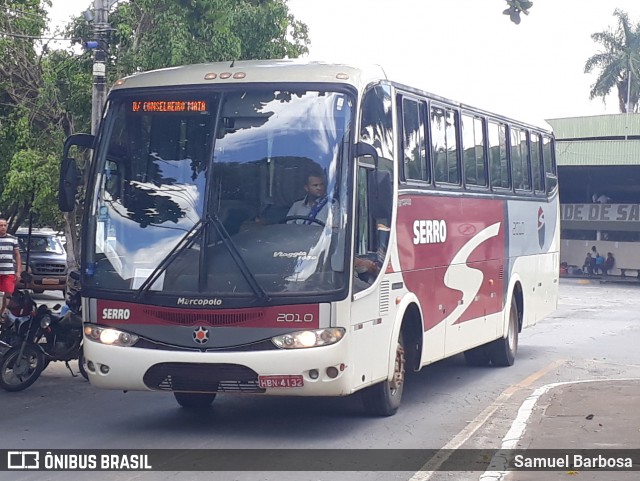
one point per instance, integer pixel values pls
(619, 63)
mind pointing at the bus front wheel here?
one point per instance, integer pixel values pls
(383, 399)
(194, 400)
(503, 351)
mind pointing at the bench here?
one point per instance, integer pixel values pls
(623, 271)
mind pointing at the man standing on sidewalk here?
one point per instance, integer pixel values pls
(10, 263)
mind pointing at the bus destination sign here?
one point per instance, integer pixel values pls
(169, 106)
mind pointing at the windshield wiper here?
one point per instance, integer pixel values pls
(238, 259)
(185, 243)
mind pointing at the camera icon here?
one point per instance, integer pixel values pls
(23, 460)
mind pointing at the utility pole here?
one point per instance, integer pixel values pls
(101, 31)
(626, 127)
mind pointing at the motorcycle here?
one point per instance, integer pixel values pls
(33, 337)
(20, 305)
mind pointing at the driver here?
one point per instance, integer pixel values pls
(315, 204)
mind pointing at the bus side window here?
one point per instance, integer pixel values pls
(498, 164)
(373, 214)
(473, 142)
(547, 154)
(444, 149)
(536, 164)
(413, 141)
(520, 160)
(363, 229)
(551, 178)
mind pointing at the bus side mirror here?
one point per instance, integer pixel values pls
(367, 150)
(68, 185)
(69, 174)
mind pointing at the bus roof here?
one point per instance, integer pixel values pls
(471, 108)
(254, 71)
(281, 71)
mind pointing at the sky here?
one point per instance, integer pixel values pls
(465, 50)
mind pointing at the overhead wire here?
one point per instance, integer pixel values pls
(36, 37)
(29, 15)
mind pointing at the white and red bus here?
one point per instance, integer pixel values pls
(439, 233)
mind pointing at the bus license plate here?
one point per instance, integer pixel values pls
(280, 381)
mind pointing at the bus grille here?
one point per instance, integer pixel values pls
(191, 318)
(264, 345)
(199, 377)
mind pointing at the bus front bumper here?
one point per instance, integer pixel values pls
(318, 371)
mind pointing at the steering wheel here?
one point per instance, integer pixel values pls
(301, 217)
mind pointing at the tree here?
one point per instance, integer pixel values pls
(151, 34)
(618, 64)
(30, 119)
(45, 94)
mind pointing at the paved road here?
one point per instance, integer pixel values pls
(593, 335)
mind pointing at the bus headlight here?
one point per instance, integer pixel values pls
(109, 336)
(305, 339)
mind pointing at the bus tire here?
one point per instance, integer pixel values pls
(81, 364)
(503, 351)
(478, 356)
(383, 398)
(194, 400)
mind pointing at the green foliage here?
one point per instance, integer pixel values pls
(152, 34)
(28, 114)
(45, 94)
(618, 63)
(31, 174)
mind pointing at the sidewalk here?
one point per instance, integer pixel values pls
(598, 415)
(603, 279)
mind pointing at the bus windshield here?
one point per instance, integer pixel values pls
(222, 194)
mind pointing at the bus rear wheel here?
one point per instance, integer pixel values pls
(194, 400)
(503, 351)
(383, 399)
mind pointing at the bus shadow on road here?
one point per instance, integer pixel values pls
(313, 418)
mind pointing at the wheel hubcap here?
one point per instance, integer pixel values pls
(398, 373)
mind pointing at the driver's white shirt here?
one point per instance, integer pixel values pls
(301, 208)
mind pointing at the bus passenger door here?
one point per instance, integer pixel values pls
(371, 309)
(372, 313)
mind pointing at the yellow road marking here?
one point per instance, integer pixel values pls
(463, 436)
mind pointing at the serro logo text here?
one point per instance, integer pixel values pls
(110, 313)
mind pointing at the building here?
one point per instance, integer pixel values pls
(598, 162)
